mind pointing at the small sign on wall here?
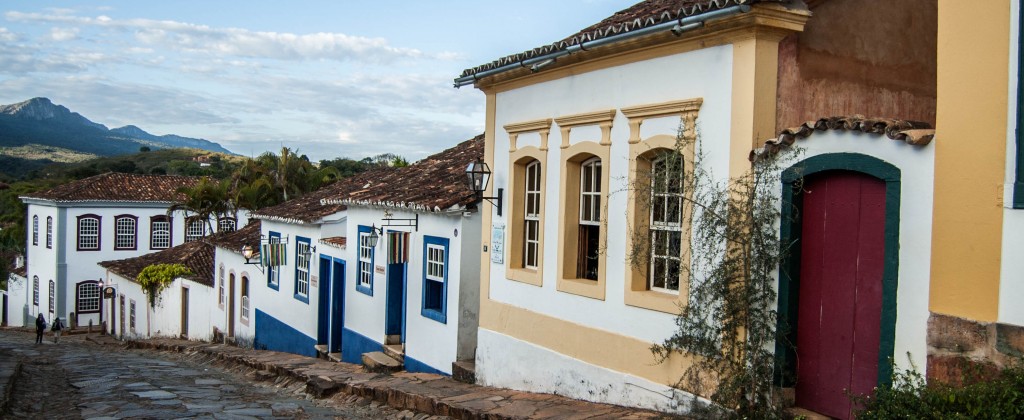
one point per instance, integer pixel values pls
(314, 281)
(498, 243)
(379, 269)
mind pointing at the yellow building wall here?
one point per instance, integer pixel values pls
(970, 155)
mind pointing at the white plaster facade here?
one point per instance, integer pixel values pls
(164, 319)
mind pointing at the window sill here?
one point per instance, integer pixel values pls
(302, 298)
(274, 286)
(653, 300)
(593, 289)
(366, 290)
(525, 275)
(435, 315)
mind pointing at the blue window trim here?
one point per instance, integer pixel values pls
(1018, 182)
(439, 316)
(366, 290)
(309, 268)
(271, 269)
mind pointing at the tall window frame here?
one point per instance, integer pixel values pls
(35, 291)
(303, 258)
(220, 287)
(161, 234)
(245, 299)
(52, 301)
(434, 303)
(49, 232)
(588, 246)
(87, 297)
(364, 268)
(195, 229)
(665, 211)
(90, 232)
(131, 315)
(274, 272)
(35, 230)
(531, 216)
(126, 228)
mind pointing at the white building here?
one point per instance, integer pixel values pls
(234, 280)
(414, 287)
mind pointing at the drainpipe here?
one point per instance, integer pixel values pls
(676, 26)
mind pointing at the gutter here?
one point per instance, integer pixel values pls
(676, 26)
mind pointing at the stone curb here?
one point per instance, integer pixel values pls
(424, 393)
(9, 371)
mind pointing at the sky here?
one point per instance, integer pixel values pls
(329, 79)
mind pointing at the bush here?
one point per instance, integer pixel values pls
(911, 397)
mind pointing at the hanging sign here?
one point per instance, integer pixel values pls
(108, 292)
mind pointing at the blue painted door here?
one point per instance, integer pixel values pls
(337, 304)
(394, 320)
(323, 309)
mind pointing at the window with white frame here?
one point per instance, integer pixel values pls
(302, 257)
(531, 218)
(160, 232)
(435, 276)
(124, 232)
(590, 220)
(88, 232)
(220, 288)
(195, 229)
(35, 290)
(49, 231)
(245, 297)
(131, 314)
(53, 295)
(35, 230)
(274, 273)
(365, 268)
(87, 297)
(226, 224)
(666, 223)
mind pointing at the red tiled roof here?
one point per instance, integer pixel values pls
(196, 255)
(233, 241)
(913, 132)
(434, 184)
(311, 207)
(113, 186)
(639, 16)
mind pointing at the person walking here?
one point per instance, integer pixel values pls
(57, 327)
(40, 328)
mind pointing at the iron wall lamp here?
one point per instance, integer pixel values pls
(478, 175)
(248, 252)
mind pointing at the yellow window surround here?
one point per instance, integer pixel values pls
(518, 160)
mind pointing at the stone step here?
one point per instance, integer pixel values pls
(395, 351)
(334, 357)
(379, 362)
(464, 371)
(393, 339)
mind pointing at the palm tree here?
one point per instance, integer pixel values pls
(207, 200)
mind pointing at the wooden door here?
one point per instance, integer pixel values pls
(184, 312)
(231, 305)
(337, 305)
(394, 317)
(323, 320)
(840, 303)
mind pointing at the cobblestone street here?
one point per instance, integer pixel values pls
(80, 379)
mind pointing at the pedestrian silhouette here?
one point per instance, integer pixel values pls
(40, 327)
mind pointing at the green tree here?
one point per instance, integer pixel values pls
(206, 200)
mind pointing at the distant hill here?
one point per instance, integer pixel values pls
(38, 121)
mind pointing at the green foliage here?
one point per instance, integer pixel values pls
(910, 397)
(155, 278)
(728, 326)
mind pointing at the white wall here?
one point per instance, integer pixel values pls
(698, 74)
(282, 304)
(233, 263)
(1011, 286)
(17, 304)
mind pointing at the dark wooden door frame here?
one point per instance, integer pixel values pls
(789, 270)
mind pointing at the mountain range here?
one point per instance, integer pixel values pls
(38, 121)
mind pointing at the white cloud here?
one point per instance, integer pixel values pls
(63, 34)
(203, 39)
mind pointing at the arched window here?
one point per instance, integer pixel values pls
(53, 294)
(588, 246)
(666, 223)
(49, 231)
(87, 297)
(195, 229)
(159, 232)
(88, 232)
(35, 230)
(35, 290)
(245, 298)
(125, 227)
(226, 224)
(531, 215)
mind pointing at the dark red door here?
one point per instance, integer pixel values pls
(840, 307)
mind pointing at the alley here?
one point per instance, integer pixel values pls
(80, 379)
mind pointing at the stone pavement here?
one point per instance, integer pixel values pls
(419, 392)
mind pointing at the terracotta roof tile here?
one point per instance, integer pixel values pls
(311, 207)
(913, 132)
(639, 16)
(113, 186)
(196, 255)
(335, 241)
(233, 241)
(434, 184)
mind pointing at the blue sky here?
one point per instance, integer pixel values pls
(329, 78)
